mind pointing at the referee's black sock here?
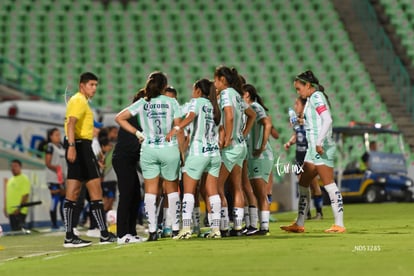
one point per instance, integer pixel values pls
(68, 213)
(99, 215)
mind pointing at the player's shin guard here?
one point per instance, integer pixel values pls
(224, 218)
(303, 205)
(98, 214)
(215, 215)
(187, 209)
(196, 217)
(336, 203)
(68, 213)
(254, 216)
(150, 211)
(238, 218)
(174, 209)
(264, 220)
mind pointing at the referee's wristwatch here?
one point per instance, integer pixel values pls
(71, 144)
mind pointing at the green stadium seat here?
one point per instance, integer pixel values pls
(187, 40)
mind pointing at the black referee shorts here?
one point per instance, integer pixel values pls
(86, 165)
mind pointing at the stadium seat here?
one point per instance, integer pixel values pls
(187, 40)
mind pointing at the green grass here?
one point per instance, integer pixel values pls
(379, 241)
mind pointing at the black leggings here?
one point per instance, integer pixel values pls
(129, 195)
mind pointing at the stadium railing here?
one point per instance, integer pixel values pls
(18, 77)
(386, 54)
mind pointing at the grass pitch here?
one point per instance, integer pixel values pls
(379, 241)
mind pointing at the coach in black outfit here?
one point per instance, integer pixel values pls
(125, 160)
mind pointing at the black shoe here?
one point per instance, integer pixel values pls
(174, 233)
(245, 230)
(153, 236)
(263, 232)
(236, 233)
(75, 242)
(110, 239)
(225, 233)
(251, 231)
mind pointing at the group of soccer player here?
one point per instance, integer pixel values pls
(220, 142)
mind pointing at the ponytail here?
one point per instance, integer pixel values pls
(208, 91)
(254, 95)
(232, 77)
(309, 77)
(155, 85)
(213, 99)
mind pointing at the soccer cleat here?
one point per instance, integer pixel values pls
(214, 235)
(153, 236)
(225, 233)
(336, 229)
(75, 242)
(166, 232)
(93, 233)
(236, 233)
(294, 228)
(174, 233)
(263, 232)
(127, 239)
(251, 231)
(107, 240)
(184, 234)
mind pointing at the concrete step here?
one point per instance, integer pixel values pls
(369, 56)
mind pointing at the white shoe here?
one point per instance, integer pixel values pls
(184, 234)
(127, 239)
(93, 233)
(76, 232)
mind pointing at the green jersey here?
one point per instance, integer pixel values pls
(204, 134)
(230, 97)
(156, 118)
(315, 105)
(254, 140)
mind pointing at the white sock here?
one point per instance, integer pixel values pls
(254, 216)
(238, 217)
(246, 216)
(264, 220)
(174, 210)
(214, 216)
(336, 203)
(187, 209)
(150, 210)
(196, 217)
(302, 205)
(224, 218)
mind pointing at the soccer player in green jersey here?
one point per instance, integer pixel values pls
(260, 156)
(320, 154)
(233, 149)
(157, 114)
(203, 156)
